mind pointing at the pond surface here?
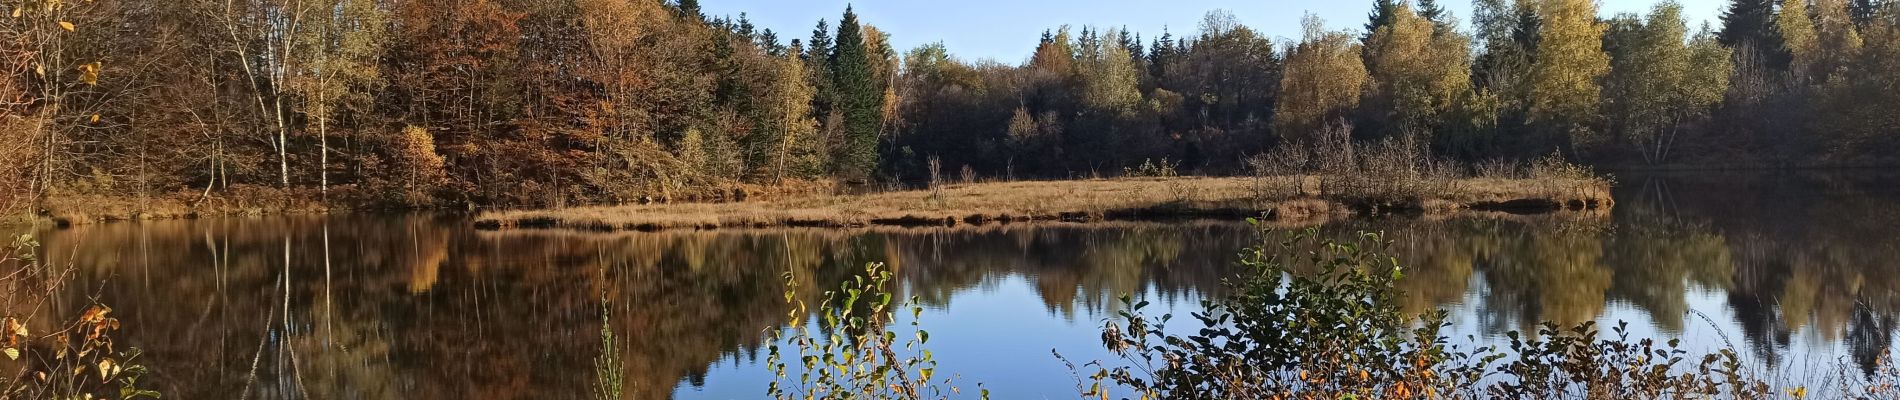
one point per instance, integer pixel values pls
(1797, 271)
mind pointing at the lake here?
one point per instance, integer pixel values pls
(1795, 270)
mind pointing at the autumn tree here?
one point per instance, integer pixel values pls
(1857, 116)
(50, 76)
(1109, 76)
(451, 74)
(263, 37)
(1322, 82)
(1660, 79)
(1838, 38)
(1226, 81)
(797, 151)
(1418, 75)
(336, 69)
(1569, 61)
(1820, 39)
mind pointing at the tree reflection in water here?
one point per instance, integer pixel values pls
(424, 307)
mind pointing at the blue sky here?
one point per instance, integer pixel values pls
(1006, 30)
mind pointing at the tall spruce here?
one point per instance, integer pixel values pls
(690, 9)
(1750, 24)
(1867, 11)
(1381, 16)
(859, 99)
(1435, 13)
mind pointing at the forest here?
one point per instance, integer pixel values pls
(524, 103)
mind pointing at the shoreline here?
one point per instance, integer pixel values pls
(1280, 198)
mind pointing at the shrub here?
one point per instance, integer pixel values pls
(77, 361)
(850, 351)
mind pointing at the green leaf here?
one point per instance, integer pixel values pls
(13, 354)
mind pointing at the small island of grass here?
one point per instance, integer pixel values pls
(1274, 197)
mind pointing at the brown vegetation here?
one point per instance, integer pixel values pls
(1276, 197)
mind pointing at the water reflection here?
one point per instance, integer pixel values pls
(1793, 267)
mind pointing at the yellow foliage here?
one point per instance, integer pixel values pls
(1570, 60)
(1418, 72)
(1323, 80)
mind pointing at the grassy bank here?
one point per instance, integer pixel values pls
(1279, 198)
(253, 200)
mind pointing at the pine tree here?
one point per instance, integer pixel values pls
(1431, 11)
(818, 49)
(1748, 21)
(817, 57)
(859, 99)
(690, 9)
(1161, 54)
(1866, 11)
(1750, 24)
(1381, 15)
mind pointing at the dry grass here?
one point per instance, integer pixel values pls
(1280, 198)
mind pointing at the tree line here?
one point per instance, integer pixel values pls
(518, 102)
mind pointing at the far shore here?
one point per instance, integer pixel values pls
(1274, 198)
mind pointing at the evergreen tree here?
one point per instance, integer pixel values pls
(1866, 11)
(1381, 15)
(1749, 25)
(1431, 11)
(817, 59)
(818, 49)
(690, 9)
(1506, 31)
(859, 98)
(744, 27)
(1161, 54)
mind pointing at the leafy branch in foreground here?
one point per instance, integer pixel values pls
(77, 361)
(850, 351)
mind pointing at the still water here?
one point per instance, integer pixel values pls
(1797, 271)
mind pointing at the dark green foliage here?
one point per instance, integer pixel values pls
(1866, 11)
(1751, 24)
(1433, 12)
(859, 98)
(690, 9)
(1381, 15)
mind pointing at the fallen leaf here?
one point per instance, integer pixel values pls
(68, 26)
